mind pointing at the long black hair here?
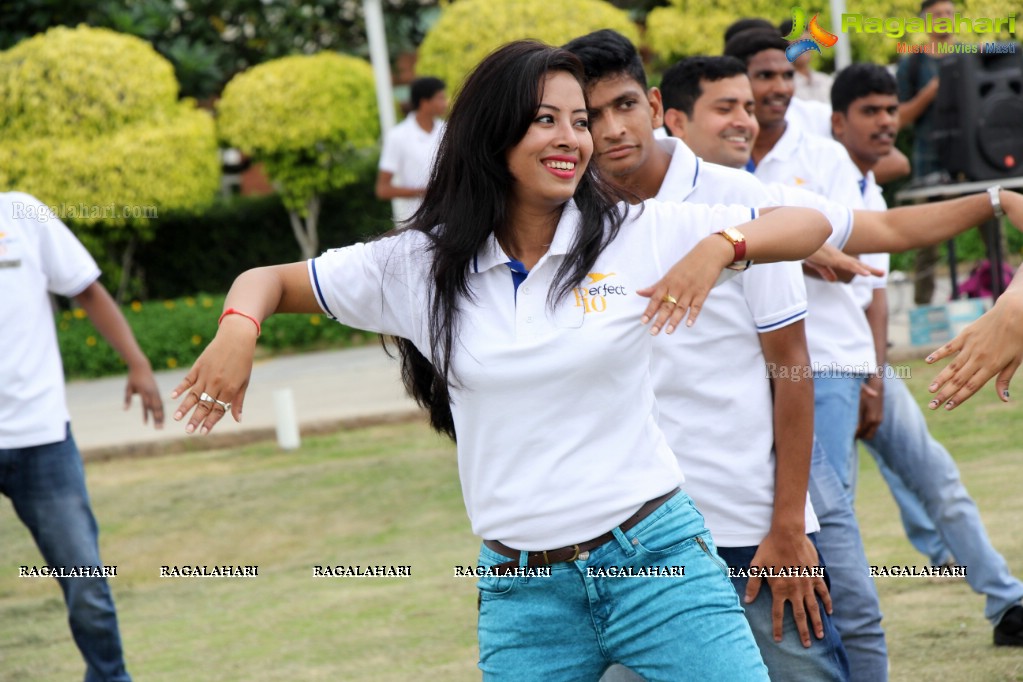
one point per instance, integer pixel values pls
(467, 199)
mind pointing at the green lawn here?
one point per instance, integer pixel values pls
(389, 496)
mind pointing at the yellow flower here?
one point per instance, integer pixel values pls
(169, 305)
(207, 303)
(90, 341)
(314, 320)
(136, 306)
(190, 302)
(79, 314)
(196, 339)
(66, 315)
(172, 363)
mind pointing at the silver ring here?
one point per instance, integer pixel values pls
(207, 398)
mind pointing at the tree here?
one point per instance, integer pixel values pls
(90, 123)
(311, 120)
(468, 30)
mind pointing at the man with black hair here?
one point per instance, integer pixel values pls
(409, 148)
(750, 483)
(919, 470)
(917, 78)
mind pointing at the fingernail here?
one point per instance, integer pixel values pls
(654, 330)
(932, 404)
(669, 329)
(1005, 394)
(933, 387)
(204, 430)
(689, 323)
(177, 416)
(949, 405)
(930, 358)
(174, 394)
(644, 319)
(189, 429)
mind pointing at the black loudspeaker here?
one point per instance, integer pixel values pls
(978, 125)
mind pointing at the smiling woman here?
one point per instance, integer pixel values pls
(509, 341)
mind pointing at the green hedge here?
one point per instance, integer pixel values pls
(173, 332)
(205, 252)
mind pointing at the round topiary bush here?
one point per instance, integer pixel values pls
(469, 30)
(311, 120)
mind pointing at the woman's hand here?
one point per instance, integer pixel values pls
(686, 285)
(219, 378)
(992, 345)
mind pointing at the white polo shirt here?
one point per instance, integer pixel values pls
(554, 408)
(864, 287)
(837, 333)
(408, 153)
(711, 379)
(810, 116)
(38, 255)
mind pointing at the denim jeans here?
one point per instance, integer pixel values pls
(836, 414)
(573, 625)
(857, 609)
(788, 659)
(46, 485)
(919, 528)
(928, 471)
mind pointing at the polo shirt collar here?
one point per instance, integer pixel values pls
(490, 255)
(683, 172)
(786, 146)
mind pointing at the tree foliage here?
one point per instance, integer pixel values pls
(312, 121)
(689, 27)
(209, 41)
(90, 123)
(468, 30)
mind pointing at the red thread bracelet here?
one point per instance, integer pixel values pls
(232, 311)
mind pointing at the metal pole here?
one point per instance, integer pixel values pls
(843, 54)
(381, 63)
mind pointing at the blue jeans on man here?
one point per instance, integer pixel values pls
(46, 485)
(929, 473)
(857, 608)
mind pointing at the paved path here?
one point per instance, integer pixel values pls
(331, 389)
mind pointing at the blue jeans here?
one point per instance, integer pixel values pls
(918, 525)
(574, 625)
(836, 414)
(857, 609)
(46, 484)
(788, 659)
(929, 472)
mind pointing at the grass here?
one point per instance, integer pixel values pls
(389, 495)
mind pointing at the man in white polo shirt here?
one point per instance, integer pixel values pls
(40, 467)
(410, 146)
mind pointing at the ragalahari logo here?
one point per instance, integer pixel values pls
(818, 36)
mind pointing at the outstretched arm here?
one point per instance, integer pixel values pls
(110, 322)
(910, 227)
(992, 345)
(222, 371)
(786, 543)
(780, 233)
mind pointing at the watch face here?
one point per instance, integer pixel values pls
(733, 235)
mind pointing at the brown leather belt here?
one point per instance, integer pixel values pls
(567, 554)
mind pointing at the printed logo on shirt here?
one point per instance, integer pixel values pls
(592, 297)
(818, 36)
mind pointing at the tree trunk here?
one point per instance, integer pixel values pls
(306, 231)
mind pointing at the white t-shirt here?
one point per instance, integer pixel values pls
(557, 428)
(810, 116)
(864, 287)
(711, 380)
(408, 153)
(837, 333)
(38, 255)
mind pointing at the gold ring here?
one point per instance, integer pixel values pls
(668, 298)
